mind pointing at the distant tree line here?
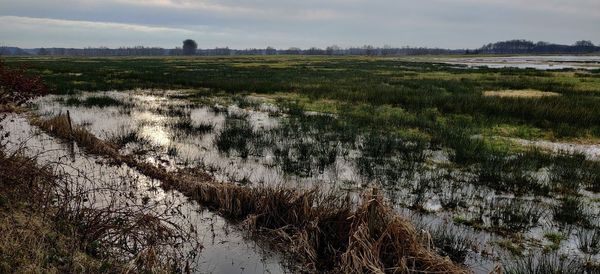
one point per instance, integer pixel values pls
(100, 51)
(190, 47)
(332, 50)
(529, 47)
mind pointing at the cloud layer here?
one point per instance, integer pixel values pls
(286, 23)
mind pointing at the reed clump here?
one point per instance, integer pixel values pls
(325, 232)
(59, 126)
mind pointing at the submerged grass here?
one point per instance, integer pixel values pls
(509, 215)
(546, 263)
(571, 211)
(327, 233)
(187, 126)
(588, 240)
(94, 101)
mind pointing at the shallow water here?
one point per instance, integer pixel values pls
(212, 246)
(269, 147)
(534, 62)
(590, 151)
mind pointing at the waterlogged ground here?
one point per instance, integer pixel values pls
(533, 62)
(209, 244)
(248, 141)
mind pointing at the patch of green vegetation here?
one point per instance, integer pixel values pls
(555, 238)
(94, 101)
(514, 248)
(466, 221)
(571, 211)
(517, 131)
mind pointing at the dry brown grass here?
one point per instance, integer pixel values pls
(521, 93)
(31, 241)
(49, 225)
(325, 232)
(59, 127)
(11, 108)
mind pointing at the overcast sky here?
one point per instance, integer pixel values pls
(301, 23)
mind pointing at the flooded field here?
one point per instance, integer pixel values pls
(314, 163)
(533, 62)
(478, 215)
(207, 243)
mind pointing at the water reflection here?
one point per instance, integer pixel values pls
(262, 145)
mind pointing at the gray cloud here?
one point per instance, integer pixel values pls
(285, 23)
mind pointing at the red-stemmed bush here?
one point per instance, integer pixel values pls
(16, 86)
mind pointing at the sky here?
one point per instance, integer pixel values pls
(301, 23)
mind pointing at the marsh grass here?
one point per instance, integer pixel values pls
(94, 101)
(235, 136)
(172, 111)
(325, 232)
(172, 150)
(514, 215)
(555, 238)
(389, 158)
(452, 241)
(244, 102)
(519, 173)
(188, 127)
(454, 196)
(291, 107)
(434, 106)
(588, 240)
(30, 240)
(127, 136)
(571, 211)
(416, 87)
(511, 174)
(525, 93)
(552, 263)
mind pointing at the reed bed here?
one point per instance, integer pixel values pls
(324, 232)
